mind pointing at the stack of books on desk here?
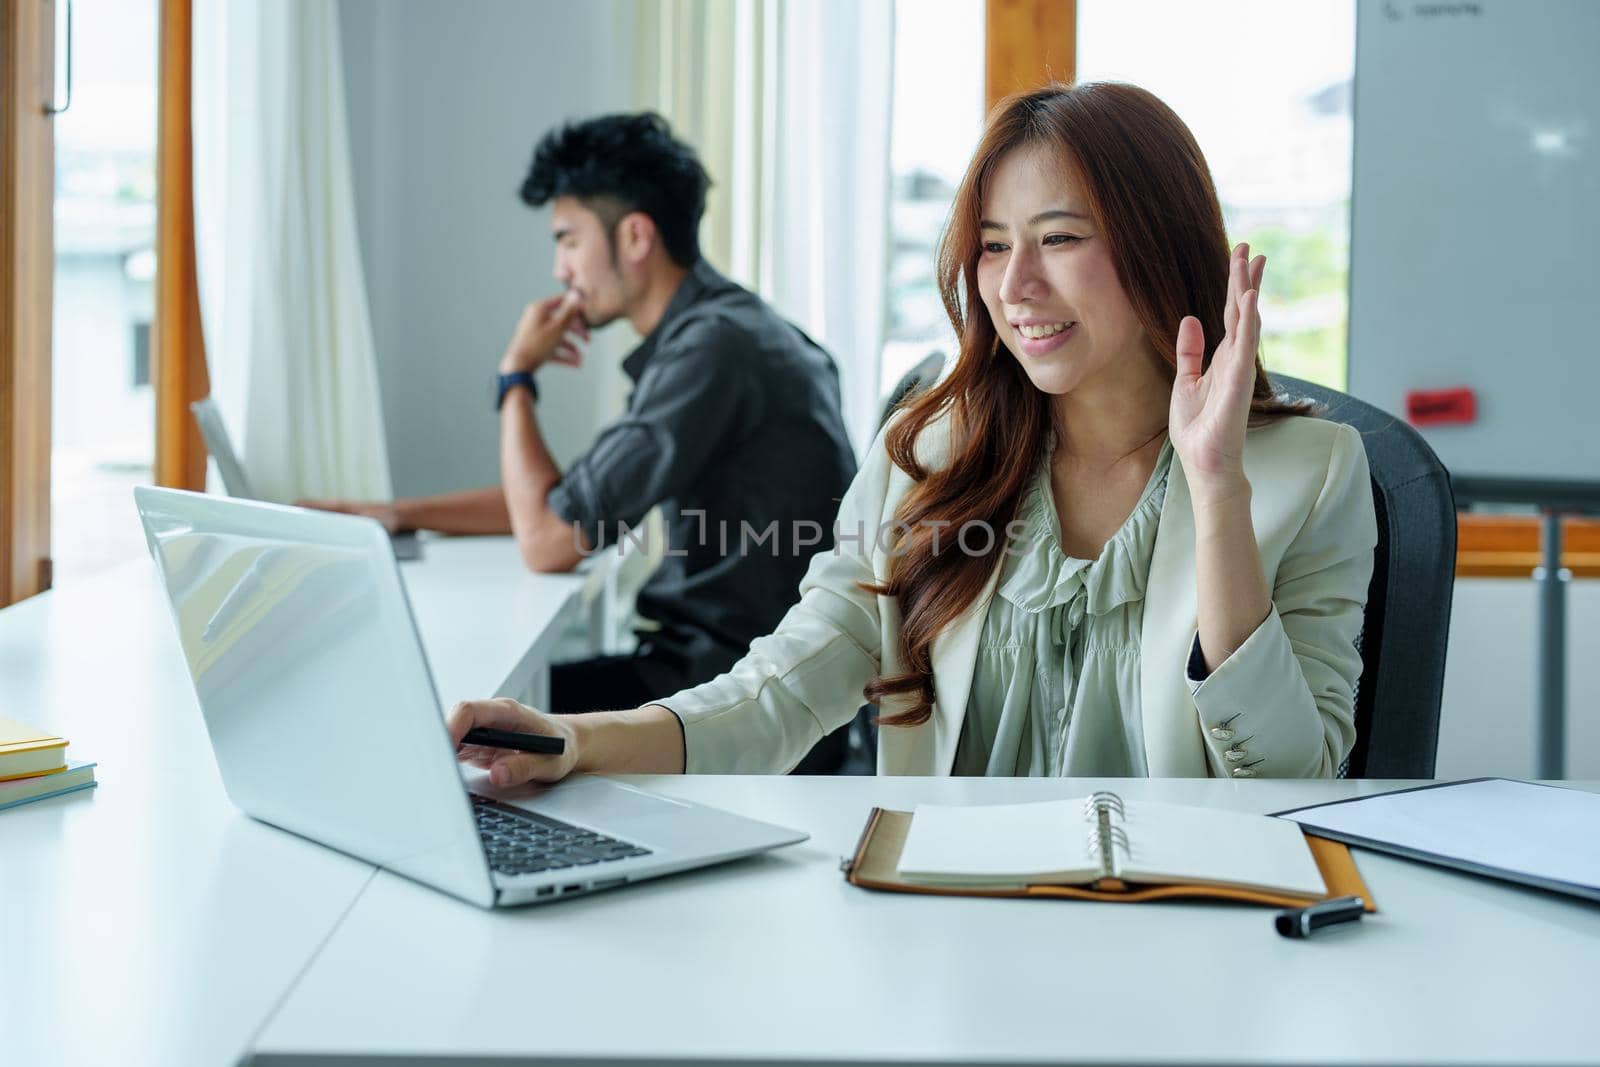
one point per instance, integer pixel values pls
(34, 765)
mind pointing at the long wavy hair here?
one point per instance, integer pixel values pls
(1151, 197)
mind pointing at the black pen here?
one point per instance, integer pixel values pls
(541, 744)
(1299, 922)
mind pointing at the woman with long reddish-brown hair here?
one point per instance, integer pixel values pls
(1100, 545)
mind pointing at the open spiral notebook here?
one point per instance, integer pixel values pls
(1100, 847)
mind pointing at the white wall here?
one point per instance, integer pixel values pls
(446, 101)
(1459, 106)
(1489, 721)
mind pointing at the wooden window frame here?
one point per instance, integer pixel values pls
(177, 343)
(1027, 43)
(27, 267)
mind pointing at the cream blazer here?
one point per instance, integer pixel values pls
(1280, 706)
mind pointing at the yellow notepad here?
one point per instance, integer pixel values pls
(26, 751)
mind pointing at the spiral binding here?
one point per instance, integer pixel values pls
(1105, 837)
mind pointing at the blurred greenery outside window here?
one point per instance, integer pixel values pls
(1265, 87)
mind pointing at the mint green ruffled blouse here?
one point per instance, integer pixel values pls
(1055, 690)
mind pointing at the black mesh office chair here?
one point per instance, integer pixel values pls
(914, 381)
(1407, 621)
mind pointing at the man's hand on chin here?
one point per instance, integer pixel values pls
(550, 331)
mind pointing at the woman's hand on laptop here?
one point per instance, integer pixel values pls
(647, 740)
(505, 767)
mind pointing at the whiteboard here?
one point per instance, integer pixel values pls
(1475, 225)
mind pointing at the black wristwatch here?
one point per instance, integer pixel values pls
(505, 382)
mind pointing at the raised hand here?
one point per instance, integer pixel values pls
(1211, 409)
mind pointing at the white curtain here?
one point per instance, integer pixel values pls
(283, 301)
(788, 103)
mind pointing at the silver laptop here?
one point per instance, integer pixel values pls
(215, 434)
(323, 715)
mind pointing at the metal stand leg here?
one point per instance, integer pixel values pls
(539, 689)
(1552, 581)
(535, 692)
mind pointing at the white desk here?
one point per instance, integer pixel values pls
(148, 921)
(488, 625)
(777, 959)
(145, 921)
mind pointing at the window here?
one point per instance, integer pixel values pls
(1266, 88)
(103, 409)
(938, 118)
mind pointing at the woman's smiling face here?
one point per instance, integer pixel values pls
(1046, 277)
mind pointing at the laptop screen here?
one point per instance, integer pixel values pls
(313, 683)
(215, 434)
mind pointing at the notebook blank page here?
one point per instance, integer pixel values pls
(998, 842)
(1174, 843)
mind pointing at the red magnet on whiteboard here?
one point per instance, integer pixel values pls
(1441, 407)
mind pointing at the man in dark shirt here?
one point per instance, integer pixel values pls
(733, 427)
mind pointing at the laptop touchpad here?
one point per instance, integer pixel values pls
(599, 802)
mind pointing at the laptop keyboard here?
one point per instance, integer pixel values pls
(521, 842)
